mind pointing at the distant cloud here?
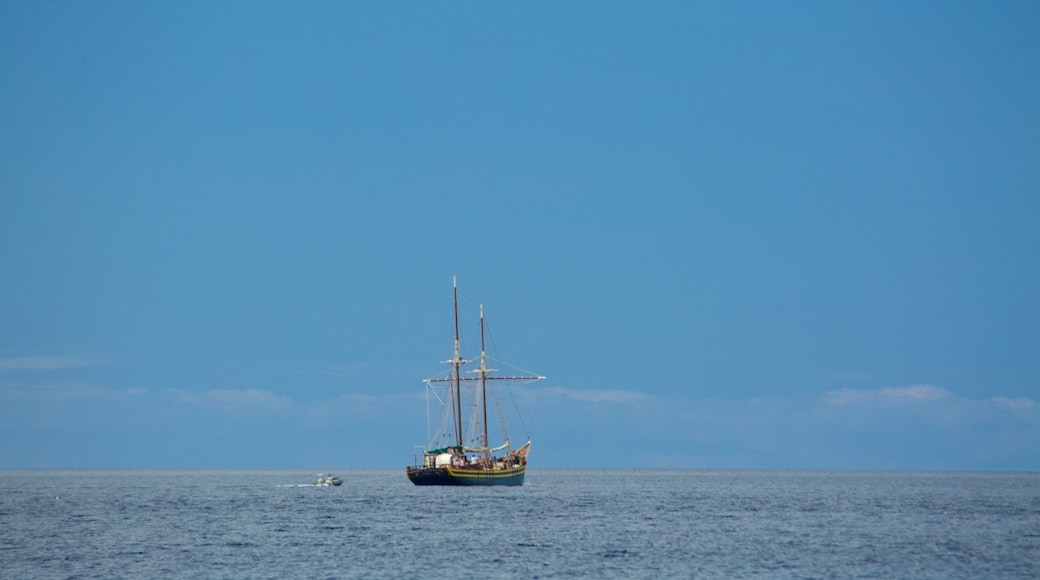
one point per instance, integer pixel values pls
(244, 403)
(925, 402)
(597, 395)
(65, 390)
(848, 376)
(891, 396)
(916, 426)
(1022, 406)
(342, 370)
(49, 363)
(363, 401)
(235, 400)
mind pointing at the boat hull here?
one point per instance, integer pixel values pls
(458, 476)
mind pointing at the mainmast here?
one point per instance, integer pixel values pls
(457, 363)
(486, 444)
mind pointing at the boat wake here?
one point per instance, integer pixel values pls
(323, 480)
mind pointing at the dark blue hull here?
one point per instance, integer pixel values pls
(457, 476)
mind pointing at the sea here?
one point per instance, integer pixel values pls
(562, 523)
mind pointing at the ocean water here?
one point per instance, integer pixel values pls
(561, 523)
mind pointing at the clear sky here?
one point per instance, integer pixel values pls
(732, 234)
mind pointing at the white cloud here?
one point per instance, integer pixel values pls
(65, 391)
(49, 363)
(1022, 407)
(848, 376)
(235, 400)
(342, 370)
(927, 403)
(887, 396)
(915, 426)
(597, 395)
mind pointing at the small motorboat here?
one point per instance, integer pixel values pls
(330, 479)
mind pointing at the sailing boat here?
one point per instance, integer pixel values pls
(456, 459)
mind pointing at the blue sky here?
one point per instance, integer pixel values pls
(797, 235)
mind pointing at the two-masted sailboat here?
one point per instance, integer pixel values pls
(459, 457)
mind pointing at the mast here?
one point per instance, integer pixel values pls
(456, 364)
(483, 387)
